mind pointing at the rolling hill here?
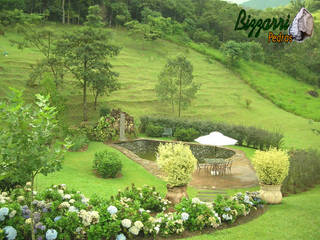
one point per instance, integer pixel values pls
(221, 98)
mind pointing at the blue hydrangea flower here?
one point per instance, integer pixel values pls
(3, 213)
(246, 199)
(51, 234)
(112, 210)
(227, 209)
(184, 216)
(57, 218)
(10, 232)
(121, 236)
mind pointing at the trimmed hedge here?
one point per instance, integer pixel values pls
(154, 130)
(186, 135)
(247, 136)
(304, 171)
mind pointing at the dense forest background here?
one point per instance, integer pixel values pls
(210, 22)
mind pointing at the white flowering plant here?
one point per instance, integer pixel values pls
(197, 215)
(60, 213)
(147, 197)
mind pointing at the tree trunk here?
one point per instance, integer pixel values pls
(180, 92)
(85, 114)
(95, 101)
(69, 12)
(63, 13)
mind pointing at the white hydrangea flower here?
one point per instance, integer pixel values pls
(64, 205)
(157, 229)
(138, 224)
(196, 200)
(126, 223)
(72, 201)
(67, 196)
(20, 198)
(134, 230)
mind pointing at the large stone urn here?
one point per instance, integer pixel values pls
(175, 194)
(271, 193)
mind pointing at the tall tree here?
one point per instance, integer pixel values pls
(85, 53)
(176, 83)
(63, 12)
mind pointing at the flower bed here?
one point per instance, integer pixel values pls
(59, 213)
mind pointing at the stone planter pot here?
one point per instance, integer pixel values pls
(175, 194)
(271, 193)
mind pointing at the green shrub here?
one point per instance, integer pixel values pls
(104, 111)
(187, 135)
(104, 130)
(78, 142)
(154, 130)
(272, 166)
(107, 164)
(246, 136)
(177, 162)
(304, 171)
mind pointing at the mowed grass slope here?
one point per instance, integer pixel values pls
(221, 98)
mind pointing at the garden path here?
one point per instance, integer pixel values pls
(242, 173)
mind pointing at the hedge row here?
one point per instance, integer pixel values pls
(304, 171)
(246, 136)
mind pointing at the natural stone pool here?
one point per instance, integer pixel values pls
(147, 149)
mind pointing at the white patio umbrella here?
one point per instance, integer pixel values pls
(216, 139)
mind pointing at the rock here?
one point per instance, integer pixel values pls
(302, 26)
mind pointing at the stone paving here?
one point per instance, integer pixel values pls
(242, 173)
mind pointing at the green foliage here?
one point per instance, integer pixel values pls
(79, 142)
(104, 130)
(13, 17)
(147, 197)
(271, 166)
(84, 53)
(246, 136)
(94, 18)
(134, 212)
(187, 135)
(28, 140)
(154, 130)
(104, 111)
(107, 164)
(303, 172)
(176, 85)
(177, 162)
(233, 51)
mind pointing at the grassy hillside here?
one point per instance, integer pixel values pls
(221, 97)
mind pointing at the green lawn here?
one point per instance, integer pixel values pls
(77, 174)
(221, 97)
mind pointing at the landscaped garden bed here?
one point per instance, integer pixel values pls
(59, 213)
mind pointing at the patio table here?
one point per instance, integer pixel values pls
(218, 165)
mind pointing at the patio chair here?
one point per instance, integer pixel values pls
(229, 165)
(204, 166)
(167, 132)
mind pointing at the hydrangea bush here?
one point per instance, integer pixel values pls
(60, 213)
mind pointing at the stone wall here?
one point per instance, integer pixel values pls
(199, 151)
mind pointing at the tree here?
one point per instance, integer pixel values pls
(85, 53)
(103, 82)
(94, 18)
(176, 83)
(28, 143)
(44, 41)
(233, 51)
